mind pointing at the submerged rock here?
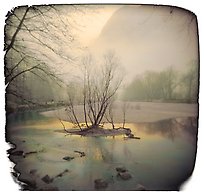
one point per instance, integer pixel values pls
(27, 180)
(121, 169)
(124, 175)
(68, 158)
(100, 184)
(17, 153)
(33, 171)
(47, 179)
(140, 187)
(62, 173)
(81, 153)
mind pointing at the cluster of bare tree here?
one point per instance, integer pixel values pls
(167, 86)
(97, 93)
(37, 39)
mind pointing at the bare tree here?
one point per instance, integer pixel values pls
(109, 115)
(73, 100)
(37, 38)
(100, 85)
(102, 89)
(124, 111)
(189, 81)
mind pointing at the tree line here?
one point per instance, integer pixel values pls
(166, 86)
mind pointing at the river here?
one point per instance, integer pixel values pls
(162, 159)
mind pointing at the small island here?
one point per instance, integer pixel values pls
(101, 132)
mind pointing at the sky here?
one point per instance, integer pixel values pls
(144, 38)
(93, 22)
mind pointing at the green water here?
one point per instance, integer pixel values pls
(161, 160)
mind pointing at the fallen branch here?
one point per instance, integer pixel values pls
(63, 125)
(81, 153)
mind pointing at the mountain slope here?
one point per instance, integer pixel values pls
(149, 38)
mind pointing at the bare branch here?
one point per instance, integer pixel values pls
(16, 32)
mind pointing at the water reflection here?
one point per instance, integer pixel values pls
(171, 128)
(24, 118)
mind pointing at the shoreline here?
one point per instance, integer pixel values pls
(137, 112)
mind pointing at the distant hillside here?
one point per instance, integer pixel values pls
(149, 38)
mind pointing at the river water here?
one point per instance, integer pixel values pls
(161, 160)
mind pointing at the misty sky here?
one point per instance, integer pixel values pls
(143, 37)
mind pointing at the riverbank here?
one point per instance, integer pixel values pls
(137, 112)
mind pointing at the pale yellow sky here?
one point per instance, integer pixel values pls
(143, 37)
(93, 22)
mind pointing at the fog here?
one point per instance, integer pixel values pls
(150, 38)
(52, 41)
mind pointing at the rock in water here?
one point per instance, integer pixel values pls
(27, 180)
(47, 179)
(81, 153)
(121, 169)
(17, 153)
(33, 171)
(68, 158)
(131, 135)
(100, 184)
(124, 175)
(140, 187)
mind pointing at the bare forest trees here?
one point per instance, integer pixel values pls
(37, 40)
(189, 82)
(167, 85)
(99, 88)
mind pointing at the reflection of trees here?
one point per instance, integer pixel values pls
(166, 128)
(107, 151)
(171, 128)
(101, 152)
(188, 125)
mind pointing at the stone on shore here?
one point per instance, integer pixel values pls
(27, 180)
(68, 158)
(47, 179)
(124, 175)
(140, 187)
(121, 169)
(17, 153)
(100, 184)
(33, 171)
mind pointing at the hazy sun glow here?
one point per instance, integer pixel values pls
(93, 22)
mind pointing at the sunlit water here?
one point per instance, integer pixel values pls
(161, 160)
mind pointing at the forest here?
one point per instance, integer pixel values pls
(165, 86)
